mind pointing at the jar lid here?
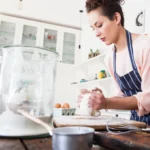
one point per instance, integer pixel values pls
(102, 71)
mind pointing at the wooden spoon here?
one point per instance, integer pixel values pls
(37, 120)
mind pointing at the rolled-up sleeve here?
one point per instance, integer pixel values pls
(143, 64)
(143, 97)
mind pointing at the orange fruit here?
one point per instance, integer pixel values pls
(57, 105)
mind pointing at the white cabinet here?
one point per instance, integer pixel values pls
(17, 31)
(70, 46)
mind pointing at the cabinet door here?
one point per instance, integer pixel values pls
(69, 44)
(7, 33)
(50, 39)
(29, 35)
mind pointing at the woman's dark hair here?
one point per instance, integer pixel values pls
(109, 7)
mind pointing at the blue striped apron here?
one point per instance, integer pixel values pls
(130, 83)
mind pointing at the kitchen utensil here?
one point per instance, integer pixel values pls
(27, 82)
(73, 138)
(33, 118)
(123, 127)
(66, 138)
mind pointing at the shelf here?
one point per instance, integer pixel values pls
(50, 41)
(7, 33)
(69, 43)
(29, 38)
(94, 59)
(93, 81)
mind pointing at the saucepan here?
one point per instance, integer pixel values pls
(66, 138)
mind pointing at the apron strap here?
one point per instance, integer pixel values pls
(114, 59)
(130, 50)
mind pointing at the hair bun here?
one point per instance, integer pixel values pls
(108, 2)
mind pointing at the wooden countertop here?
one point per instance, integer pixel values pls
(128, 141)
(106, 141)
(25, 144)
(28, 144)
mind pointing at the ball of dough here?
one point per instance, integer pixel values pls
(84, 105)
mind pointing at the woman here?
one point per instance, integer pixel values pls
(128, 62)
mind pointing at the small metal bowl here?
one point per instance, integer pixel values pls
(72, 138)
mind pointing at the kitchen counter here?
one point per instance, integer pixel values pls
(30, 144)
(129, 141)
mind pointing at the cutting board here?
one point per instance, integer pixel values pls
(98, 123)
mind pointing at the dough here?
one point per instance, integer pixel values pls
(84, 106)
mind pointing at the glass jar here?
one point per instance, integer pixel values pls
(27, 79)
(102, 74)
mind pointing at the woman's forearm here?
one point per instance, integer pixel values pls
(125, 103)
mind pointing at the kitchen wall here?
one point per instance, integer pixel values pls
(131, 9)
(64, 12)
(64, 91)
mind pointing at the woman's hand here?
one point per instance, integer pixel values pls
(97, 99)
(82, 92)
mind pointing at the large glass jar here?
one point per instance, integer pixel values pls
(27, 79)
(27, 82)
